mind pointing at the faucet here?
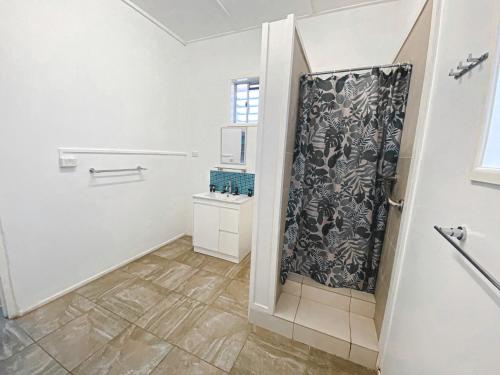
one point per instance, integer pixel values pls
(229, 187)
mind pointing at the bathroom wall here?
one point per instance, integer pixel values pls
(210, 67)
(89, 74)
(359, 36)
(443, 316)
(413, 50)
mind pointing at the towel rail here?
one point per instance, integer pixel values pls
(136, 169)
(460, 233)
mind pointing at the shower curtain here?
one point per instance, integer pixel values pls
(346, 147)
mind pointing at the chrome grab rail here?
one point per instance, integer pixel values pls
(389, 181)
(399, 205)
(136, 169)
(460, 233)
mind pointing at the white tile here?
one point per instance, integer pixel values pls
(271, 323)
(362, 308)
(368, 297)
(292, 287)
(326, 297)
(325, 319)
(295, 277)
(321, 341)
(363, 332)
(311, 282)
(362, 356)
(286, 308)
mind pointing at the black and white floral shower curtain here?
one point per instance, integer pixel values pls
(347, 145)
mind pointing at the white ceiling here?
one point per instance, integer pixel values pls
(192, 20)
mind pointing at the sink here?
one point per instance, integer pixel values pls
(223, 197)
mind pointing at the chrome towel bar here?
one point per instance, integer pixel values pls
(460, 233)
(136, 169)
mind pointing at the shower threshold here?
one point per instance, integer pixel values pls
(336, 320)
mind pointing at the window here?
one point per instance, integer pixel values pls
(487, 165)
(491, 158)
(245, 101)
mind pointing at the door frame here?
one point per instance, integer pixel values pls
(9, 305)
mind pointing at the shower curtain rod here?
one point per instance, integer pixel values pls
(355, 69)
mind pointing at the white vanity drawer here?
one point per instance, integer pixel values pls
(229, 243)
(229, 220)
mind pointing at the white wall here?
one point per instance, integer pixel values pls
(97, 74)
(445, 318)
(362, 36)
(90, 74)
(210, 67)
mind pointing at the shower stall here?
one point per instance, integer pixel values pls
(324, 237)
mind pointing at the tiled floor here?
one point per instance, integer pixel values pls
(171, 312)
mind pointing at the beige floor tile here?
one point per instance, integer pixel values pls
(174, 249)
(174, 274)
(363, 332)
(54, 315)
(147, 267)
(134, 351)
(330, 298)
(363, 356)
(186, 239)
(368, 297)
(77, 340)
(292, 287)
(219, 266)
(133, 299)
(31, 361)
(178, 362)
(311, 282)
(287, 305)
(241, 271)
(203, 286)
(172, 317)
(323, 318)
(13, 339)
(295, 277)
(98, 287)
(322, 363)
(234, 298)
(361, 307)
(193, 259)
(217, 337)
(264, 357)
(317, 339)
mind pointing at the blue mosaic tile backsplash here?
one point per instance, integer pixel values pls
(244, 181)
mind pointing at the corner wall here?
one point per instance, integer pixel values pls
(85, 74)
(413, 50)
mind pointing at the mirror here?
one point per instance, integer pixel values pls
(233, 145)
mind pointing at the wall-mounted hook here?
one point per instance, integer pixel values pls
(464, 69)
(472, 59)
(453, 73)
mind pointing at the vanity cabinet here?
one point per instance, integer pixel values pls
(222, 227)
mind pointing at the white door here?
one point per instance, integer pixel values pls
(206, 226)
(446, 316)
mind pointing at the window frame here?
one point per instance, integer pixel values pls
(479, 172)
(233, 110)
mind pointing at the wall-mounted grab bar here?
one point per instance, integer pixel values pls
(399, 204)
(390, 181)
(460, 234)
(136, 169)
